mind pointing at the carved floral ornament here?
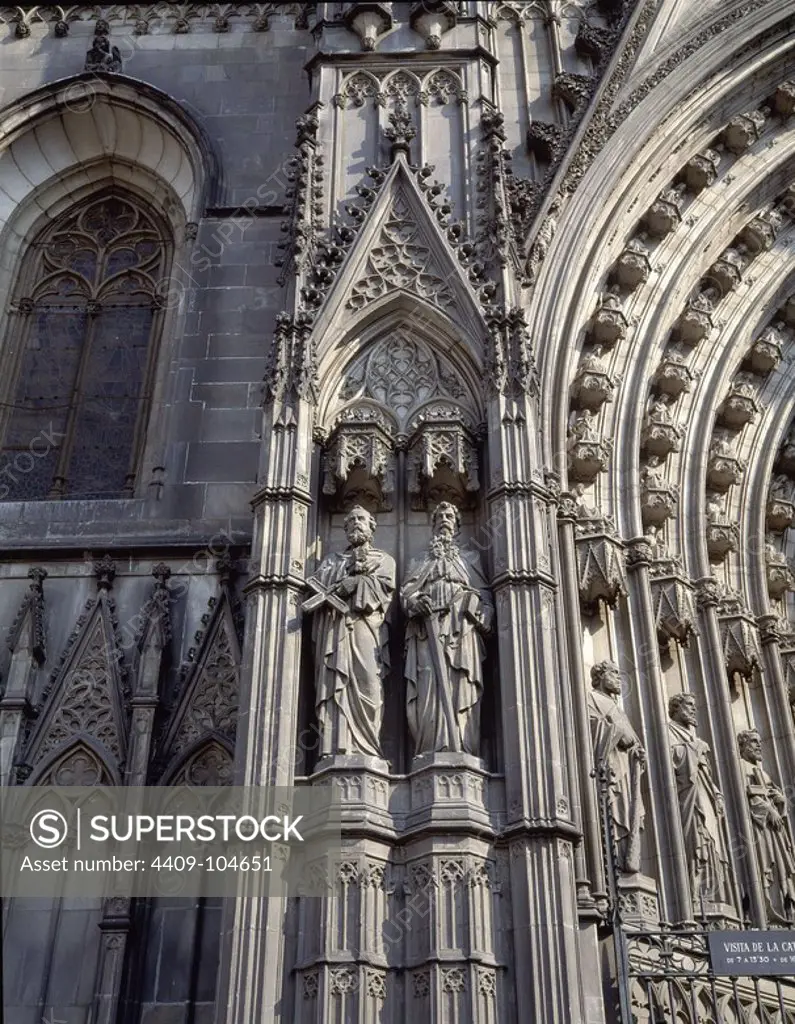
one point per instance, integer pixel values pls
(438, 87)
(401, 397)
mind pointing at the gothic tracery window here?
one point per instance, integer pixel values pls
(80, 355)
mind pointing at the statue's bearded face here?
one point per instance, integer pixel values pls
(445, 522)
(611, 681)
(751, 748)
(685, 713)
(358, 527)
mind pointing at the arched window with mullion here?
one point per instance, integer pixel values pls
(83, 345)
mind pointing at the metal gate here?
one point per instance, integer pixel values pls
(666, 976)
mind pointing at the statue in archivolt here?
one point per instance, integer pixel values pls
(450, 612)
(616, 745)
(352, 590)
(767, 805)
(700, 805)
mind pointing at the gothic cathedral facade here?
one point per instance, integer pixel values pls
(447, 352)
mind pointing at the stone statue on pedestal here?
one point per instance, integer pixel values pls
(352, 593)
(616, 744)
(449, 611)
(700, 806)
(773, 841)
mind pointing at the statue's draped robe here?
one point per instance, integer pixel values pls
(774, 846)
(352, 654)
(701, 823)
(616, 743)
(443, 706)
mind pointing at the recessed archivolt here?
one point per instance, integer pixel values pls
(656, 261)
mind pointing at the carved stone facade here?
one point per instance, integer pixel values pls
(463, 485)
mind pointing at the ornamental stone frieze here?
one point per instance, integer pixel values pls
(442, 456)
(633, 266)
(665, 213)
(740, 406)
(608, 324)
(696, 320)
(780, 509)
(660, 436)
(593, 385)
(738, 633)
(724, 468)
(701, 170)
(779, 572)
(658, 498)
(672, 599)
(588, 452)
(765, 354)
(359, 460)
(722, 535)
(743, 131)
(673, 376)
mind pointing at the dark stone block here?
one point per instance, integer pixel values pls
(221, 461)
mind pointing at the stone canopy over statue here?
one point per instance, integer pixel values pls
(700, 806)
(616, 745)
(449, 611)
(352, 593)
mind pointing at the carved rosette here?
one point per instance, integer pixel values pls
(779, 572)
(442, 458)
(740, 405)
(743, 131)
(702, 170)
(633, 266)
(665, 213)
(723, 468)
(359, 461)
(600, 562)
(608, 324)
(738, 634)
(672, 598)
(673, 376)
(765, 355)
(593, 385)
(696, 321)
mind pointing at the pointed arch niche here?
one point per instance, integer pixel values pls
(400, 428)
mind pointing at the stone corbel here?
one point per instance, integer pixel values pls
(766, 352)
(722, 535)
(672, 597)
(740, 405)
(359, 460)
(442, 456)
(600, 562)
(368, 21)
(743, 131)
(780, 509)
(660, 435)
(608, 324)
(701, 170)
(588, 452)
(431, 19)
(760, 233)
(723, 467)
(665, 213)
(658, 498)
(633, 266)
(696, 320)
(593, 385)
(780, 576)
(726, 273)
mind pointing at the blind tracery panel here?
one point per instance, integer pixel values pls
(74, 420)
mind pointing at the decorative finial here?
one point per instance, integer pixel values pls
(401, 130)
